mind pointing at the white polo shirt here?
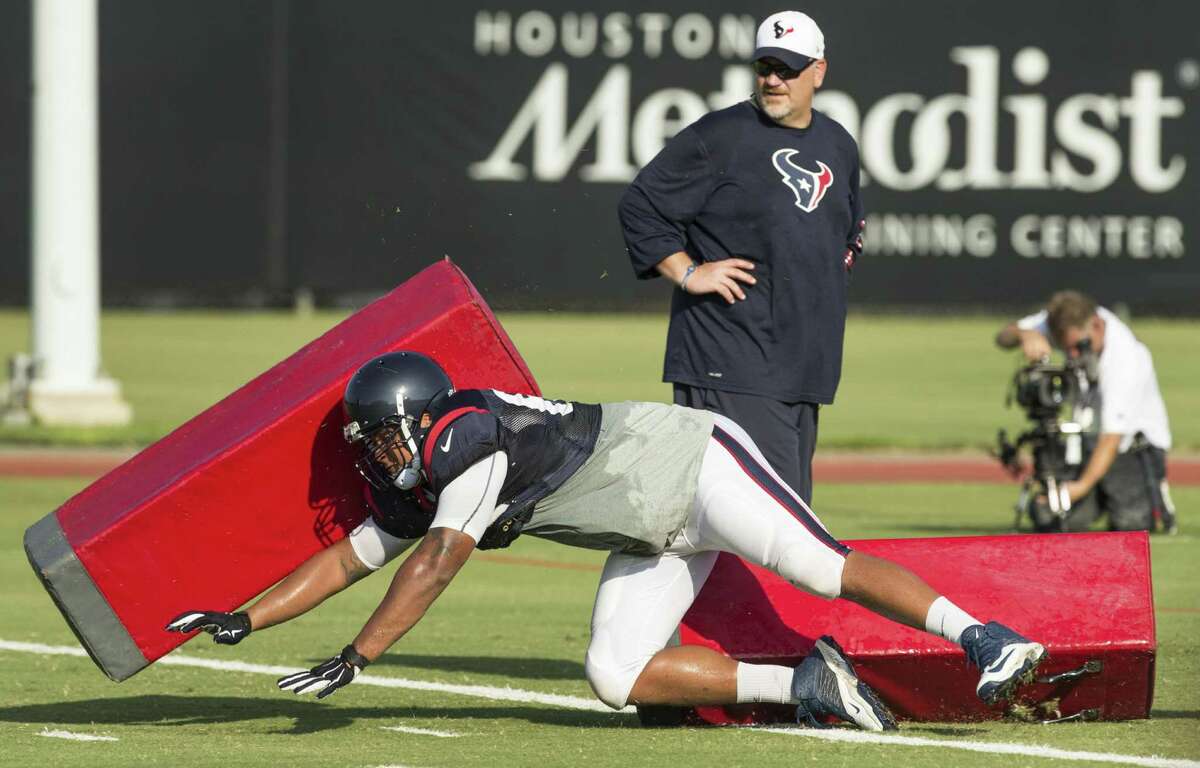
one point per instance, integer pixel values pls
(1130, 401)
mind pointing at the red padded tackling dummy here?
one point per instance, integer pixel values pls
(1086, 597)
(263, 477)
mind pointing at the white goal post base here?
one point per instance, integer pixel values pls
(98, 404)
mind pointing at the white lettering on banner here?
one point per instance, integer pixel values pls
(1084, 153)
(652, 25)
(493, 33)
(544, 114)
(1146, 109)
(903, 234)
(534, 33)
(606, 114)
(1136, 237)
(618, 39)
(735, 37)
(1088, 142)
(1032, 236)
(878, 130)
(1077, 136)
(691, 35)
(980, 107)
(1030, 65)
(579, 34)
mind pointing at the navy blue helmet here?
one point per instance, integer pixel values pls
(384, 404)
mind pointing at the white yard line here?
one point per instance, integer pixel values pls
(420, 731)
(74, 736)
(477, 691)
(590, 705)
(860, 737)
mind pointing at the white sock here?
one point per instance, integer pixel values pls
(945, 619)
(766, 683)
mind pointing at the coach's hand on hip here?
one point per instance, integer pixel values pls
(722, 277)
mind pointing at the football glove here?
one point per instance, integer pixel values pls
(854, 248)
(226, 628)
(327, 677)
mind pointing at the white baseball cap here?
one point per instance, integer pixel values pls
(790, 36)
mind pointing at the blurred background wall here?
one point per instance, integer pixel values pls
(251, 152)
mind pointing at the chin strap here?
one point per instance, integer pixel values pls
(410, 475)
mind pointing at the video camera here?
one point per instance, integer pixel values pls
(1060, 401)
(1042, 389)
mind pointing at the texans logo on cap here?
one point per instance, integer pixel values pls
(790, 36)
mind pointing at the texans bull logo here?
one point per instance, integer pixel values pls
(809, 187)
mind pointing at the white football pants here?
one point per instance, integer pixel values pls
(741, 507)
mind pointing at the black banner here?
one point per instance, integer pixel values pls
(251, 150)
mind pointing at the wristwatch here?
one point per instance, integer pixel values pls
(686, 274)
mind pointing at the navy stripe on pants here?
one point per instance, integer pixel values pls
(776, 490)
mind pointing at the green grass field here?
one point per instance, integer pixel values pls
(507, 624)
(927, 383)
(909, 382)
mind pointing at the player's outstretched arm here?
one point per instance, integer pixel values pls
(417, 583)
(326, 573)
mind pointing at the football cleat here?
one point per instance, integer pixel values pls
(1005, 659)
(825, 684)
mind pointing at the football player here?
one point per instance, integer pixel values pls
(662, 487)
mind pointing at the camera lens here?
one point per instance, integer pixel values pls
(1053, 394)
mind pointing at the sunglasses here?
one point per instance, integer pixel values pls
(764, 68)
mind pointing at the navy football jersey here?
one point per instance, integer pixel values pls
(546, 442)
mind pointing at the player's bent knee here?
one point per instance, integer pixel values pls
(611, 678)
(608, 682)
(815, 570)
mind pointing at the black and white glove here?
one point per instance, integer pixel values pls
(226, 628)
(327, 677)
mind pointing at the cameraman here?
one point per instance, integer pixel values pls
(1127, 468)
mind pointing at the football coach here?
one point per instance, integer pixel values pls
(753, 213)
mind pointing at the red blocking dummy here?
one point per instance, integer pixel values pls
(263, 478)
(1086, 597)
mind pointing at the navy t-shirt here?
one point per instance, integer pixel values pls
(737, 184)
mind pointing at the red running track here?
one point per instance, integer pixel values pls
(827, 468)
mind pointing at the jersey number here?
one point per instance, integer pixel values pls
(558, 407)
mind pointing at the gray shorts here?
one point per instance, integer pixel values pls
(634, 492)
